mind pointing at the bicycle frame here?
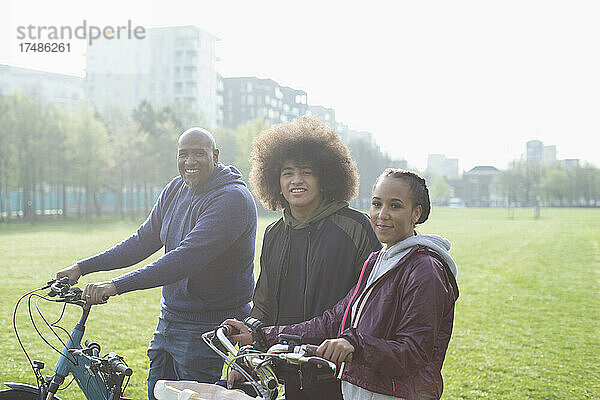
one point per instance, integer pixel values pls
(90, 382)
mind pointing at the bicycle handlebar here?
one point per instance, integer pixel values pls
(303, 354)
(65, 292)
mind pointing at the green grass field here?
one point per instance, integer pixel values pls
(527, 322)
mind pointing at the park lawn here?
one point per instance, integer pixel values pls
(526, 322)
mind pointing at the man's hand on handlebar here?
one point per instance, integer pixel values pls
(238, 331)
(98, 293)
(73, 273)
(336, 350)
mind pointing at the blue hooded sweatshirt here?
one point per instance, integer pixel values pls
(208, 233)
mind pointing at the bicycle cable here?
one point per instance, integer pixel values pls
(51, 329)
(68, 384)
(17, 332)
(55, 322)
(126, 383)
(102, 384)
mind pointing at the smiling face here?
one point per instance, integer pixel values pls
(301, 189)
(196, 157)
(393, 214)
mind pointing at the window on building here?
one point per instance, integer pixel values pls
(190, 88)
(278, 93)
(301, 99)
(190, 72)
(190, 102)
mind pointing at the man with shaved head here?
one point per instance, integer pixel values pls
(206, 221)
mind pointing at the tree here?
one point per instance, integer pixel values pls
(8, 162)
(439, 190)
(244, 136)
(28, 129)
(370, 162)
(92, 157)
(157, 136)
(555, 186)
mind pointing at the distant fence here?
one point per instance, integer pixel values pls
(73, 202)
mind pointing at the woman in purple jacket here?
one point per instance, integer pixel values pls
(397, 321)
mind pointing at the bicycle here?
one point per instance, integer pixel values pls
(99, 378)
(103, 378)
(257, 365)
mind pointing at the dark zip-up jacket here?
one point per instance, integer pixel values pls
(330, 251)
(402, 335)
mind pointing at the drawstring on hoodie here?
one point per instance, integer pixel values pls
(355, 291)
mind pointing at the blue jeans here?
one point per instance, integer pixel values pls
(177, 352)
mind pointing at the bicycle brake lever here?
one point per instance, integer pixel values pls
(48, 284)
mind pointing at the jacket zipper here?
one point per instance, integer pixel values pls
(279, 276)
(306, 277)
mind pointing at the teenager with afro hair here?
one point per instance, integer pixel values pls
(313, 254)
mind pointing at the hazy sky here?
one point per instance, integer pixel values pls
(473, 80)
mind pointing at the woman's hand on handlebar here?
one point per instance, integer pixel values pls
(238, 331)
(336, 350)
(98, 293)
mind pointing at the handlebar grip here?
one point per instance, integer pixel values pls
(95, 347)
(321, 363)
(119, 366)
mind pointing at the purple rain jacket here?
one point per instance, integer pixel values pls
(403, 332)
